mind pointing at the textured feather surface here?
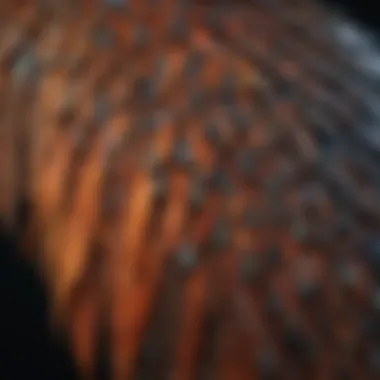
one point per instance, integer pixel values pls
(203, 182)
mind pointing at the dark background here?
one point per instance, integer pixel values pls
(26, 350)
(25, 346)
(365, 11)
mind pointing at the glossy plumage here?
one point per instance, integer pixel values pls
(202, 185)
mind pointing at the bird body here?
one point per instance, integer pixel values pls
(202, 183)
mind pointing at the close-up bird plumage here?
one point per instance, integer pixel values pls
(195, 184)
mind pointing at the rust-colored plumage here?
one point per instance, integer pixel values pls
(204, 201)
